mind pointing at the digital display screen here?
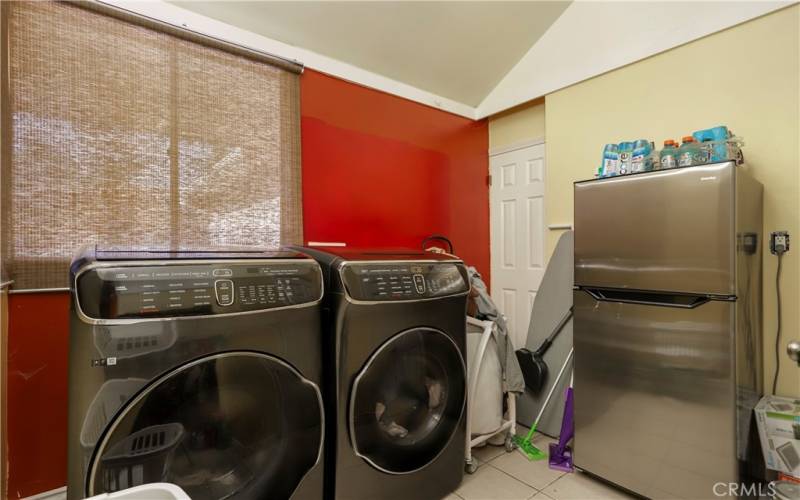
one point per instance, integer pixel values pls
(404, 281)
(192, 290)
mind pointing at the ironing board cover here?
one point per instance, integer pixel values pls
(553, 299)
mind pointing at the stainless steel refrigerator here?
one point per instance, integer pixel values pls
(667, 329)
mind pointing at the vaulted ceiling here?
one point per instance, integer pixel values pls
(460, 50)
(472, 58)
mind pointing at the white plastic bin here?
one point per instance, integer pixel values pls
(485, 375)
(487, 394)
(152, 491)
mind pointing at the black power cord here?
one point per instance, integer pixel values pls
(439, 237)
(778, 333)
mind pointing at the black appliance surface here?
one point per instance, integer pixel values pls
(395, 351)
(196, 368)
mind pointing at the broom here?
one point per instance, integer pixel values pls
(524, 444)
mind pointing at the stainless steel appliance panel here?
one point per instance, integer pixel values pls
(749, 341)
(670, 230)
(654, 395)
(749, 247)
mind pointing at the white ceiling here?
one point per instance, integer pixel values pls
(580, 46)
(473, 59)
(459, 50)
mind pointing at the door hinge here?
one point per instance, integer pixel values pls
(489, 180)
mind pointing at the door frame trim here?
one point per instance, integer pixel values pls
(516, 145)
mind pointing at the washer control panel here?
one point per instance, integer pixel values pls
(398, 281)
(161, 291)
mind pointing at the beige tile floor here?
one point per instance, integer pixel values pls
(511, 476)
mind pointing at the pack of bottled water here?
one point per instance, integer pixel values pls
(711, 145)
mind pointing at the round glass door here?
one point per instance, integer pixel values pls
(407, 401)
(232, 425)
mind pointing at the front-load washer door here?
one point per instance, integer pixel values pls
(406, 402)
(236, 425)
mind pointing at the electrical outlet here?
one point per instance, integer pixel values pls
(749, 243)
(779, 242)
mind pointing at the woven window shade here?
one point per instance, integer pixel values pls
(122, 134)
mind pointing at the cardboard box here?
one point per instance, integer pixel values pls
(779, 429)
(786, 477)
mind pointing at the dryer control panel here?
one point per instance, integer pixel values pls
(160, 291)
(398, 281)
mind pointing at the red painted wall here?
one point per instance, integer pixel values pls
(378, 171)
(38, 330)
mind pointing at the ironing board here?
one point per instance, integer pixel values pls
(553, 299)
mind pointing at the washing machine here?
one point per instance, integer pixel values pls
(396, 389)
(198, 368)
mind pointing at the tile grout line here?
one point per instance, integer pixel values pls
(563, 474)
(523, 482)
(536, 494)
(542, 494)
(536, 490)
(504, 452)
(482, 462)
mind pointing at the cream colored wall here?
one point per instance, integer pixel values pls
(517, 125)
(747, 77)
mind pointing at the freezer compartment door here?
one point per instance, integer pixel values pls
(654, 395)
(670, 230)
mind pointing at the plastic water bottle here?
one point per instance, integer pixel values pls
(705, 151)
(640, 158)
(687, 152)
(609, 166)
(668, 156)
(714, 142)
(625, 158)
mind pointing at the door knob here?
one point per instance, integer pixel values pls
(793, 350)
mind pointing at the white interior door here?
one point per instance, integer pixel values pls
(516, 201)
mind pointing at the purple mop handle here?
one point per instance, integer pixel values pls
(567, 423)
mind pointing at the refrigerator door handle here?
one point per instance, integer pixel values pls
(648, 298)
